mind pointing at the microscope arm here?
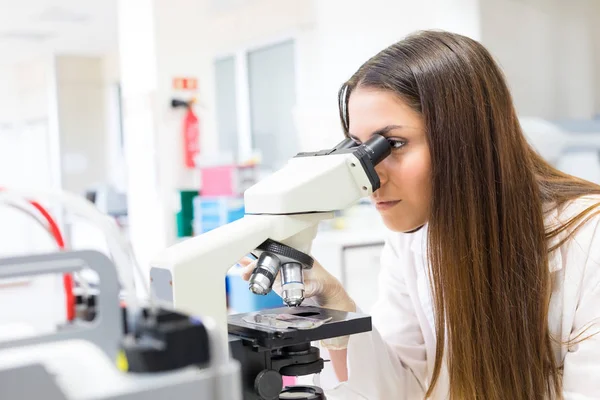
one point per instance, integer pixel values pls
(198, 285)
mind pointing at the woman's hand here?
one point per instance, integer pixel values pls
(318, 283)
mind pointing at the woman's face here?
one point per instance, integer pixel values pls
(404, 196)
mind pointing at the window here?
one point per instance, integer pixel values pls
(255, 98)
(226, 108)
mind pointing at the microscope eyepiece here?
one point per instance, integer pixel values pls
(347, 143)
(378, 148)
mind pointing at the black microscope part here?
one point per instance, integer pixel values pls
(286, 352)
(304, 392)
(347, 143)
(268, 384)
(164, 340)
(280, 249)
(378, 148)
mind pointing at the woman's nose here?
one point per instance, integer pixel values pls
(382, 173)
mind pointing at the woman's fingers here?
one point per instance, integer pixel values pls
(245, 261)
(248, 268)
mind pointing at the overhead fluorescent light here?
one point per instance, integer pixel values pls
(29, 36)
(60, 14)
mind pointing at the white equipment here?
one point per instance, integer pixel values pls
(286, 208)
(79, 361)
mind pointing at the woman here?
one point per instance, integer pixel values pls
(490, 281)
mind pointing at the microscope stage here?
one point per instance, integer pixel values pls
(338, 323)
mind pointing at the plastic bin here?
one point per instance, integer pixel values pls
(213, 212)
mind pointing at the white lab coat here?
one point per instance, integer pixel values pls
(395, 360)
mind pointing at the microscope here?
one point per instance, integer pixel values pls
(282, 216)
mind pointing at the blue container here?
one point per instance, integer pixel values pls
(242, 300)
(213, 212)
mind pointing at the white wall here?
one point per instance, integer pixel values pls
(25, 159)
(257, 21)
(53, 134)
(137, 65)
(351, 32)
(520, 36)
(576, 59)
(348, 32)
(547, 52)
(82, 122)
(114, 157)
(8, 93)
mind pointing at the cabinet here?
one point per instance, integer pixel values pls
(361, 265)
(353, 257)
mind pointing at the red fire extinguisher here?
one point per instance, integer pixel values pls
(191, 133)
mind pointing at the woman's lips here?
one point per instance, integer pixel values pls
(386, 205)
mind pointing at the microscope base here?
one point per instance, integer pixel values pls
(266, 353)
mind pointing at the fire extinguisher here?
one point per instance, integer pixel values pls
(191, 132)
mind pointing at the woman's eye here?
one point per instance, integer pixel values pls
(396, 143)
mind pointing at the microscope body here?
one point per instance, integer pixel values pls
(286, 208)
(283, 211)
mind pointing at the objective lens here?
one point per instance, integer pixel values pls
(264, 274)
(292, 284)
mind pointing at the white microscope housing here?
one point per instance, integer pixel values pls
(286, 208)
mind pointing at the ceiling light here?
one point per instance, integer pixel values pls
(59, 14)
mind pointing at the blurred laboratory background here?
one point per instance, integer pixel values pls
(161, 112)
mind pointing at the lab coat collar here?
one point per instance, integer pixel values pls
(418, 243)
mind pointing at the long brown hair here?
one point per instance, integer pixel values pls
(488, 245)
